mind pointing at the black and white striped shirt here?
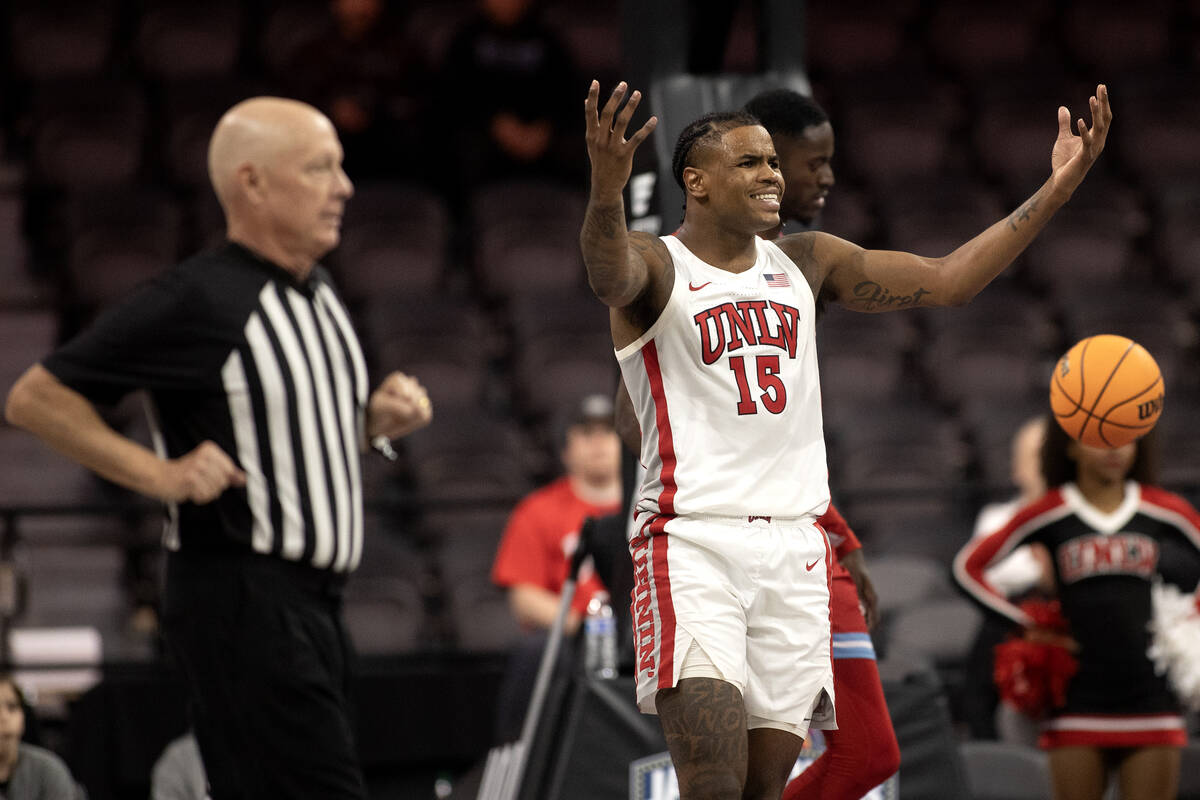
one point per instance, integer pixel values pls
(231, 348)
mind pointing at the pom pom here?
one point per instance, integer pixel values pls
(1032, 670)
(1175, 641)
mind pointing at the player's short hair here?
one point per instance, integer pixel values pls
(706, 131)
(786, 112)
(1059, 468)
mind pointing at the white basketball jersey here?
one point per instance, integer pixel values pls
(727, 393)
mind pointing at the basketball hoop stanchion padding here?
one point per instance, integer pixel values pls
(504, 769)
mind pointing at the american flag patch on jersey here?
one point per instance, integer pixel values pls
(777, 279)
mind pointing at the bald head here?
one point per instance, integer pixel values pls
(257, 132)
(276, 167)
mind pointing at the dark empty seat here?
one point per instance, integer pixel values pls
(61, 39)
(187, 40)
(478, 609)
(981, 39)
(1006, 771)
(394, 242)
(904, 581)
(527, 236)
(34, 475)
(28, 336)
(87, 132)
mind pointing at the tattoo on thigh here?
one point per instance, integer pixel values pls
(704, 721)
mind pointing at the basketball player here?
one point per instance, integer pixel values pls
(863, 751)
(713, 328)
(1111, 532)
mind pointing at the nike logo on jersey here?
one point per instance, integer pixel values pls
(809, 567)
(695, 288)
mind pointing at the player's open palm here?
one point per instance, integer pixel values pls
(610, 152)
(200, 476)
(1075, 151)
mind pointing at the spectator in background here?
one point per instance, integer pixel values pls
(504, 79)
(543, 530)
(1025, 573)
(361, 73)
(541, 536)
(27, 772)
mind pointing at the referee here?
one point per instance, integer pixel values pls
(259, 406)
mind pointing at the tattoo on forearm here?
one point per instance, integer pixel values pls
(606, 222)
(870, 296)
(1023, 213)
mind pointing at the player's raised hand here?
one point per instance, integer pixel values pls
(199, 476)
(1075, 152)
(610, 152)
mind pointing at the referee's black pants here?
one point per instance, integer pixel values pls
(266, 658)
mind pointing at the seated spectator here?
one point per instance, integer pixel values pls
(27, 772)
(359, 71)
(541, 536)
(542, 532)
(508, 80)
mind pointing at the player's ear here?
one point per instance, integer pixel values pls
(695, 182)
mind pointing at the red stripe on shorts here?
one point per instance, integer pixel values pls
(828, 583)
(662, 598)
(662, 421)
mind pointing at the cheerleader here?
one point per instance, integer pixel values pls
(1112, 534)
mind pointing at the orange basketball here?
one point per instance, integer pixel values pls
(1106, 391)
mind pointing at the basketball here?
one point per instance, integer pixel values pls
(1106, 391)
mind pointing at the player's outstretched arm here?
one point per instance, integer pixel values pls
(616, 260)
(880, 280)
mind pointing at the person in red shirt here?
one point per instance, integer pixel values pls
(541, 536)
(543, 530)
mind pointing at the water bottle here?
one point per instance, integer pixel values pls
(600, 639)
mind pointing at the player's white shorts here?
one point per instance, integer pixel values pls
(745, 600)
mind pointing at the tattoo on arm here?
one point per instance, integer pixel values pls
(870, 296)
(1023, 213)
(607, 222)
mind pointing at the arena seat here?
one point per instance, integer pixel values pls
(977, 41)
(1189, 772)
(184, 40)
(1120, 38)
(394, 243)
(50, 40)
(87, 132)
(385, 607)
(477, 610)
(903, 581)
(1006, 771)
(526, 236)
(285, 28)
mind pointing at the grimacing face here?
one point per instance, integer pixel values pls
(308, 189)
(806, 162)
(743, 180)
